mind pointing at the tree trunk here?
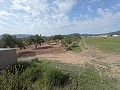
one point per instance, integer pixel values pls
(36, 46)
(20, 47)
(40, 44)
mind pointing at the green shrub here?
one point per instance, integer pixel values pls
(10, 81)
(11, 78)
(35, 62)
(75, 44)
(19, 68)
(34, 73)
(57, 78)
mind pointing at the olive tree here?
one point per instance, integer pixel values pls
(36, 39)
(20, 43)
(66, 42)
(56, 38)
(8, 40)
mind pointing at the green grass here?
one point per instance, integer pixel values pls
(53, 75)
(76, 47)
(110, 44)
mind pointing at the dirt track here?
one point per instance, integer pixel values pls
(90, 55)
(55, 52)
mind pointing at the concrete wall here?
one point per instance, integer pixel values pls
(7, 57)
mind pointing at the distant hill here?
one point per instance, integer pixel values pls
(82, 35)
(114, 33)
(20, 35)
(110, 33)
(73, 34)
(85, 35)
(0, 36)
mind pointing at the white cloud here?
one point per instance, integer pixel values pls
(95, 1)
(117, 6)
(43, 6)
(33, 7)
(3, 13)
(89, 9)
(39, 15)
(104, 12)
(98, 25)
(64, 5)
(42, 16)
(2, 0)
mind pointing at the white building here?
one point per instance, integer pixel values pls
(115, 35)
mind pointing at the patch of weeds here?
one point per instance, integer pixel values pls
(50, 75)
(100, 66)
(34, 73)
(14, 81)
(90, 79)
(57, 78)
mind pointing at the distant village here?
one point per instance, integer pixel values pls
(104, 35)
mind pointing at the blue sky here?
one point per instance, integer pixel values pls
(49, 17)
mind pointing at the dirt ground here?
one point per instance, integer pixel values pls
(43, 49)
(89, 55)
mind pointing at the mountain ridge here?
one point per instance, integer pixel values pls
(114, 33)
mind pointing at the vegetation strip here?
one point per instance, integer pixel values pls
(50, 75)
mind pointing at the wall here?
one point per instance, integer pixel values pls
(7, 57)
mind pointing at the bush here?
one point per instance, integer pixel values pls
(34, 73)
(10, 81)
(66, 41)
(35, 62)
(13, 77)
(18, 68)
(74, 44)
(57, 78)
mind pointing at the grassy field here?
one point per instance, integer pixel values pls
(110, 44)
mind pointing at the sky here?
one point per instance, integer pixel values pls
(50, 17)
